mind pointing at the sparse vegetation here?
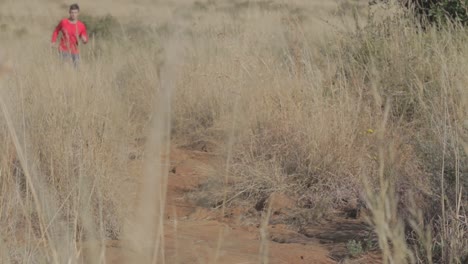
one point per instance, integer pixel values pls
(355, 248)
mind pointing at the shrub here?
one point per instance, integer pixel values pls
(441, 11)
(104, 26)
(354, 248)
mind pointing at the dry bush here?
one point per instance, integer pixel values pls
(304, 133)
(421, 73)
(75, 130)
(309, 123)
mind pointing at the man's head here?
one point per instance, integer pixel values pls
(74, 12)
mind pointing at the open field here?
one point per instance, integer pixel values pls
(300, 131)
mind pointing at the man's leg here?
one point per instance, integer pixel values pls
(64, 55)
(69, 57)
(76, 59)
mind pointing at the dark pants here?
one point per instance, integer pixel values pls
(66, 56)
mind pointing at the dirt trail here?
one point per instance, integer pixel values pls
(198, 235)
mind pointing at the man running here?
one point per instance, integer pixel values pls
(72, 30)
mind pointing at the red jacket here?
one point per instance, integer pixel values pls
(70, 35)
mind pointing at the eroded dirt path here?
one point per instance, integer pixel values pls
(200, 236)
(195, 234)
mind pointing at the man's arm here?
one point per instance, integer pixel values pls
(84, 35)
(56, 32)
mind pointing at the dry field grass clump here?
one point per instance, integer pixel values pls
(332, 105)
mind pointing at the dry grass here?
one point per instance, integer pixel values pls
(300, 104)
